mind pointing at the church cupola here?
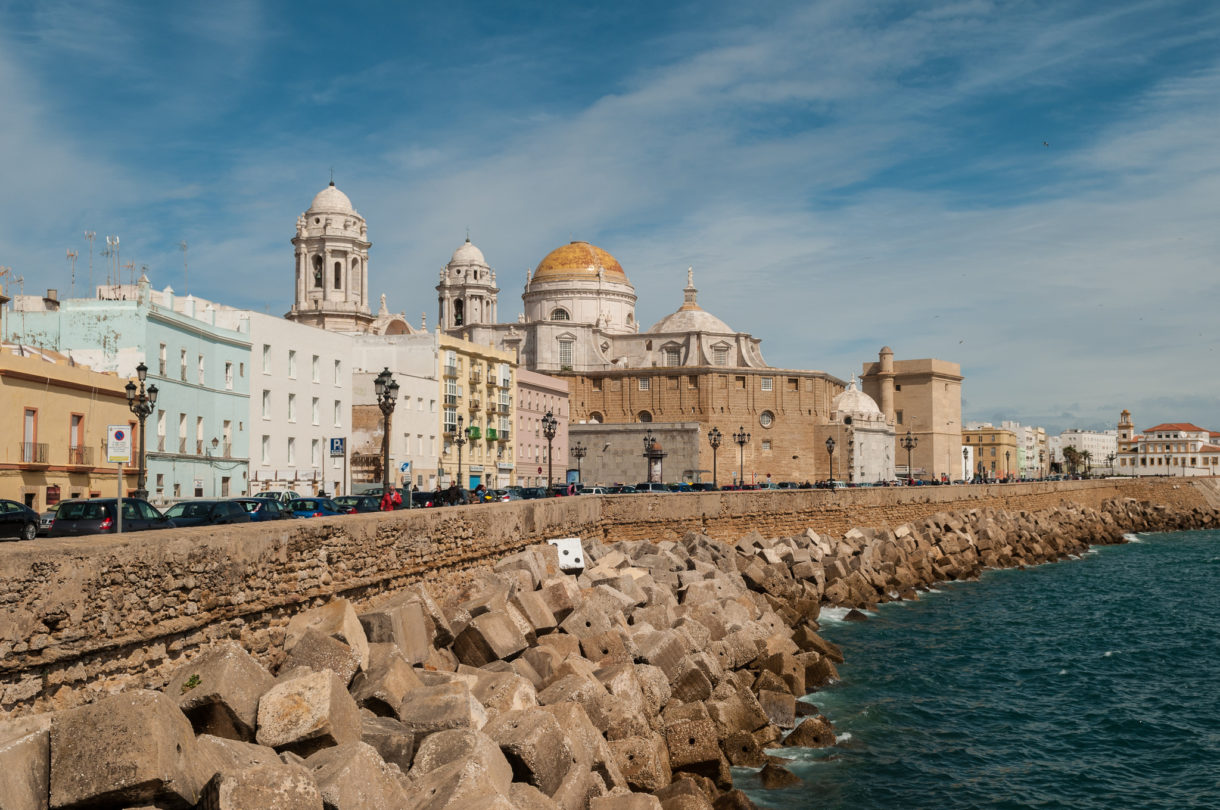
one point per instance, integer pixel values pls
(467, 292)
(332, 254)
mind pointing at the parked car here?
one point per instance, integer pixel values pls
(100, 516)
(422, 499)
(532, 493)
(359, 503)
(703, 486)
(315, 507)
(621, 489)
(18, 521)
(207, 513)
(592, 491)
(263, 509)
(44, 522)
(651, 486)
(281, 495)
(504, 495)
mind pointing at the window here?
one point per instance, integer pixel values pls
(740, 382)
(30, 436)
(898, 415)
(338, 275)
(161, 360)
(897, 387)
(315, 369)
(266, 449)
(338, 413)
(673, 356)
(565, 353)
(241, 370)
(766, 444)
(201, 375)
(292, 407)
(560, 314)
(338, 372)
(314, 411)
(198, 435)
(266, 404)
(768, 383)
(766, 418)
(644, 416)
(228, 376)
(315, 455)
(292, 363)
(266, 359)
(720, 355)
(645, 383)
(451, 420)
(292, 450)
(182, 364)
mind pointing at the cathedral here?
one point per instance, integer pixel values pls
(667, 386)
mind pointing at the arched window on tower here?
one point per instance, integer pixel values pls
(560, 314)
(459, 312)
(356, 287)
(338, 275)
(317, 271)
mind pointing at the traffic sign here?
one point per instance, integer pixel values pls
(338, 447)
(118, 444)
(405, 467)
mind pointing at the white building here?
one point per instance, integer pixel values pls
(1032, 455)
(865, 440)
(1174, 448)
(1101, 445)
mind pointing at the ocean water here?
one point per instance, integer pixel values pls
(1088, 683)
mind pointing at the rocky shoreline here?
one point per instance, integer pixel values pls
(637, 682)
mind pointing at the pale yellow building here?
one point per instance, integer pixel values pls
(55, 415)
(923, 397)
(994, 452)
(477, 385)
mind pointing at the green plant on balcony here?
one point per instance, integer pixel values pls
(491, 434)
(474, 432)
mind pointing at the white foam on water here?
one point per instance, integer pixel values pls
(1063, 672)
(1133, 538)
(1109, 653)
(842, 738)
(833, 614)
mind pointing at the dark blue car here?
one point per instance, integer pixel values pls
(315, 507)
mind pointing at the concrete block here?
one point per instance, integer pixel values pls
(571, 553)
(489, 637)
(392, 741)
(562, 595)
(662, 649)
(134, 748)
(692, 742)
(527, 797)
(692, 685)
(219, 689)
(25, 763)
(383, 686)
(457, 768)
(317, 651)
(308, 711)
(535, 747)
(813, 732)
(644, 761)
(586, 621)
(585, 691)
(743, 751)
(405, 625)
(567, 645)
(606, 648)
(579, 787)
(780, 707)
(534, 608)
(226, 756)
(352, 776)
(655, 686)
(442, 707)
(589, 747)
(501, 692)
(271, 786)
(336, 618)
(629, 801)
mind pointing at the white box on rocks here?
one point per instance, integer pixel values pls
(571, 553)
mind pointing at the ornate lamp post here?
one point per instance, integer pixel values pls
(713, 437)
(909, 442)
(548, 430)
(1007, 466)
(649, 440)
(579, 451)
(141, 403)
(741, 437)
(965, 461)
(830, 462)
(460, 439)
(387, 397)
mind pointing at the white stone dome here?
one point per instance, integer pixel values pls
(855, 402)
(468, 254)
(691, 320)
(333, 200)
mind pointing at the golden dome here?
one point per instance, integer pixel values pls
(579, 261)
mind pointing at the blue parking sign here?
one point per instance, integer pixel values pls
(338, 447)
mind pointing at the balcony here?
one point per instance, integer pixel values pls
(504, 407)
(503, 435)
(474, 432)
(491, 434)
(80, 456)
(451, 400)
(182, 444)
(451, 371)
(476, 377)
(32, 453)
(475, 404)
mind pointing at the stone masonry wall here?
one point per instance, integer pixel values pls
(85, 617)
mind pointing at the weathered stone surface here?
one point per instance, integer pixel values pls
(733, 800)
(534, 608)
(774, 776)
(535, 747)
(403, 624)
(457, 768)
(392, 741)
(317, 651)
(692, 742)
(219, 689)
(25, 763)
(578, 789)
(133, 748)
(780, 707)
(352, 777)
(226, 756)
(742, 750)
(630, 801)
(527, 797)
(336, 618)
(383, 686)
(441, 707)
(490, 637)
(504, 692)
(307, 711)
(272, 786)
(644, 761)
(813, 732)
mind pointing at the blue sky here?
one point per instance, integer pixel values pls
(842, 175)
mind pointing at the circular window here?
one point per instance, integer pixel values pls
(766, 418)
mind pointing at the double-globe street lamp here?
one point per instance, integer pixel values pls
(1007, 466)
(741, 437)
(141, 403)
(579, 450)
(965, 461)
(460, 440)
(549, 424)
(910, 442)
(830, 461)
(387, 397)
(713, 437)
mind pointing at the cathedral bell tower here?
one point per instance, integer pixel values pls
(467, 292)
(332, 255)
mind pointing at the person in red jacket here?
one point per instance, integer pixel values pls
(387, 502)
(397, 497)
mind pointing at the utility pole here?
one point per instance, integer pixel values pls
(89, 237)
(72, 261)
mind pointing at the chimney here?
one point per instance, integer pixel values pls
(52, 295)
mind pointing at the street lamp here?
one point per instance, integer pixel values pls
(830, 462)
(965, 461)
(909, 442)
(548, 430)
(579, 451)
(141, 403)
(713, 437)
(1007, 466)
(387, 397)
(649, 440)
(741, 437)
(459, 440)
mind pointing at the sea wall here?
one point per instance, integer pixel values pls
(84, 617)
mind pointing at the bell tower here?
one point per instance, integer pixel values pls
(467, 293)
(332, 255)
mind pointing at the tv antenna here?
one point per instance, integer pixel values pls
(72, 260)
(186, 278)
(89, 237)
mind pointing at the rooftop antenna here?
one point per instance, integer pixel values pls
(108, 252)
(131, 274)
(186, 277)
(72, 260)
(332, 175)
(89, 237)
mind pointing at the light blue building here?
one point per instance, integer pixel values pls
(197, 441)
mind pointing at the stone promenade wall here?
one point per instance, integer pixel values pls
(84, 617)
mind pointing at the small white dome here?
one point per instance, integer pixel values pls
(855, 402)
(468, 254)
(332, 199)
(691, 320)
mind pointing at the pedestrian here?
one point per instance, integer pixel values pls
(387, 502)
(396, 497)
(452, 496)
(479, 492)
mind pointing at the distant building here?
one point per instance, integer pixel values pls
(994, 451)
(1033, 460)
(537, 394)
(1100, 445)
(923, 397)
(1174, 448)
